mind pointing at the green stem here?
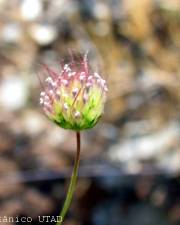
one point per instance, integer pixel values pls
(73, 181)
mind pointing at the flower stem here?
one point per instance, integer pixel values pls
(73, 181)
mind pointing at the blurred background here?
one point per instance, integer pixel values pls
(130, 162)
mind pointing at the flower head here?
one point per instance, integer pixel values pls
(75, 97)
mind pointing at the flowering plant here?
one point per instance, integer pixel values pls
(74, 99)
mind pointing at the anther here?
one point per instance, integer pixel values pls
(75, 91)
(49, 79)
(88, 85)
(41, 101)
(81, 77)
(71, 74)
(65, 82)
(77, 114)
(65, 106)
(105, 88)
(46, 97)
(90, 78)
(85, 98)
(67, 68)
(42, 93)
(96, 75)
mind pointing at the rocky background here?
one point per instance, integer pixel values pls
(130, 162)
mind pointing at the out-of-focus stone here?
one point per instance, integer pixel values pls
(102, 29)
(7, 141)
(11, 208)
(169, 5)
(7, 166)
(31, 9)
(33, 123)
(43, 34)
(53, 161)
(13, 93)
(151, 146)
(11, 33)
(9, 189)
(101, 11)
(56, 136)
(36, 204)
